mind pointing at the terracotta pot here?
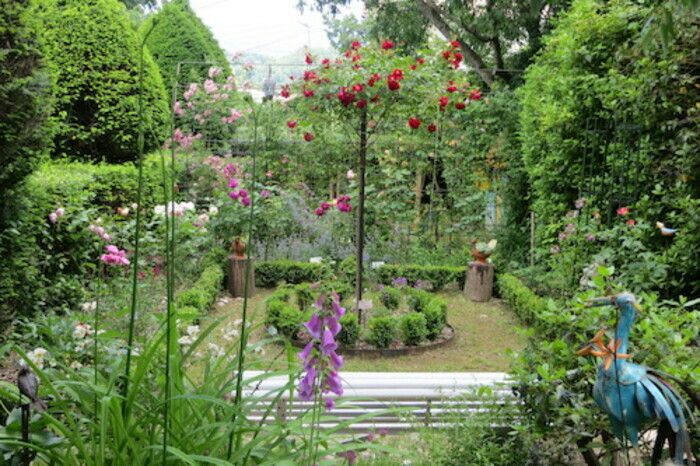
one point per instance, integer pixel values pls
(479, 256)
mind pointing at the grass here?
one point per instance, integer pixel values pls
(485, 334)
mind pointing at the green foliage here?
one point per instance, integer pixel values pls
(203, 292)
(180, 36)
(418, 300)
(438, 276)
(43, 265)
(526, 304)
(93, 54)
(347, 269)
(609, 116)
(435, 317)
(23, 91)
(285, 317)
(382, 331)
(350, 330)
(305, 295)
(269, 274)
(414, 328)
(390, 298)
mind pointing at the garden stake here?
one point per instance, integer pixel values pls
(137, 233)
(361, 211)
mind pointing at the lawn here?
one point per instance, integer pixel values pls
(486, 332)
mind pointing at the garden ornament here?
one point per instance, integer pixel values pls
(629, 393)
(665, 231)
(28, 385)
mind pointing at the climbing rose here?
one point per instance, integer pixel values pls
(623, 211)
(357, 87)
(454, 44)
(414, 122)
(362, 103)
(292, 124)
(285, 92)
(451, 88)
(443, 101)
(308, 137)
(475, 95)
(355, 45)
(387, 45)
(309, 60)
(460, 106)
(214, 72)
(631, 222)
(308, 93)
(393, 84)
(432, 127)
(114, 256)
(345, 97)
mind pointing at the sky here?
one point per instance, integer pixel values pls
(270, 27)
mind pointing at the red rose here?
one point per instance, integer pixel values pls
(623, 211)
(284, 92)
(373, 79)
(414, 122)
(443, 101)
(387, 44)
(393, 84)
(308, 59)
(326, 62)
(446, 54)
(291, 124)
(455, 44)
(357, 87)
(308, 137)
(460, 106)
(308, 93)
(397, 74)
(362, 103)
(345, 97)
(356, 57)
(475, 95)
(420, 60)
(355, 45)
(310, 76)
(451, 88)
(432, 127)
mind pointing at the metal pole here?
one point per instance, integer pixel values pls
(360, 237)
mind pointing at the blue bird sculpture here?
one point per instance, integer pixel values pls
(631, 394)
(666, 231)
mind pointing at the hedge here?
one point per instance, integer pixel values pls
(203, 292)
(42, 265)
(382, 331)
(93, 53)
(269, 274)
(437, 275)
(524, 302)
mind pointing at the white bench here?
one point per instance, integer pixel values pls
(395, 401)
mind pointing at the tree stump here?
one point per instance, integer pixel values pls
(479, 283)
(236, 277)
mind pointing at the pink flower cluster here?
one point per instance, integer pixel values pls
(240, 195)
(235, 115)
(191, 91)
(185, 140)
(342, 203)
(321, 362)
(114, 256)
(56, 214)
(100, 232)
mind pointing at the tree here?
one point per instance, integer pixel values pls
(93, 53)
(486, 32)
(180, 36)
(23, 92)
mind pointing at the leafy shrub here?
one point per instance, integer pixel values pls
(204, 291)
(23, 91)
(438, 276)
(526, 304)
(343, 289)
(435, 318)
(180, 36)
(348, 269)
(350, 330)
(418, 300)
(269, 274)
(390, 297)
(414, 328)
(304, 294)
(289, 320)
(382, 331)
(92, 51)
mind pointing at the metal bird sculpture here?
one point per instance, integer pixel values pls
(28, 385)
(666, 231)
(629, 393)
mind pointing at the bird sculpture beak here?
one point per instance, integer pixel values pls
(602, 301)
(638, 307)
(585, 350)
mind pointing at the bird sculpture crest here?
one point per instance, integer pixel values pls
(631, 394)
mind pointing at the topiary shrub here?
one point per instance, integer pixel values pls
(343, 289)
(414, 328)
(180, 36)
(390, 298)
(93, 53)
(382, 331)
(348, 270)
(304, 294)
(289, 320)
(435, 318)
(269, 274)
(23, 91)
(437, 275)
(350, 330)
(204, 291)
(418, 300)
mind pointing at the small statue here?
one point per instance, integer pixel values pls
(238, 248)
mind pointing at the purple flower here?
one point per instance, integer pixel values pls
(333, 325)
(265, 193)
(328, 343)
(349, 455)
(399, 282)
(333, 383)
(306, 387)
(336, 360)
(233, 195)
(245, 201)
(243, 193)
(590, 237)
(314, 326)
(330, 404)
(338, 309)
(233, 183)
(306, 352)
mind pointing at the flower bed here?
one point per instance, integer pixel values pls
(406, 321)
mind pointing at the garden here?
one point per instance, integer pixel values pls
(210, 259)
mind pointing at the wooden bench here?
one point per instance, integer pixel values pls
(388, 401)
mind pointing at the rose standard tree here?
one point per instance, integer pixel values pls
(372, 90)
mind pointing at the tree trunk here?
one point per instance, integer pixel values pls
(360, 237)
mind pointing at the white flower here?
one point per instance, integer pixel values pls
(37, 356)
(216, 350)
(193, 330)
(81, 330)
(315, 260)
(213, 210)
(75, 365)
(350, 174)
(185, 341)
(89, 306)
